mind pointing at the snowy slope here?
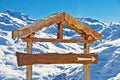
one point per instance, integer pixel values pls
(108, 50)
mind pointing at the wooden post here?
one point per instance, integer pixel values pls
(29, 67)
(86, 66)
(60, 31)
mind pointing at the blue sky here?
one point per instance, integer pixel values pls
(103, 10)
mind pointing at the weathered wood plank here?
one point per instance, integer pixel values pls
(60, 31)
(36, 26)
(56, 40)
(29, 67)
(72, 23)
(55, 58)
(81, 28)
(86, 52)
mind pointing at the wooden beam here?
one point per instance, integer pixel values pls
(60, 31)
(56, 40)
(55, 58)
(73, 23)
(29, 67)
(86, 66)
(86, 52)
(81, 28)
(36, 26)
(86, 72)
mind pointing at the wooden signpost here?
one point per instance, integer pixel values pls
(55, 58)
(27, 35)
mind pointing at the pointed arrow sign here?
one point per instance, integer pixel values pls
(86, 59)
(56, 58)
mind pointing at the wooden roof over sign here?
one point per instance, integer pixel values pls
(63, 18)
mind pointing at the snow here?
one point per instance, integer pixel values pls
(113, 42)
(115, 78)
(117, 51)
(115, 23)
(5, 24)
(108, 67)
(16, 20)
(1, 15)
(12, 74)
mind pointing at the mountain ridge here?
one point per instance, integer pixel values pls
(108, 50)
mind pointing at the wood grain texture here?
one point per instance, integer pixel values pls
(29, 67)
(70, 21)
(56, 40)
(86, 52)
(60, 31)
(54, 58)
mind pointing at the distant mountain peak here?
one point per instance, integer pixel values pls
(14, 14)
(19, 15)
(10, 20)
(114, 23)
(90, 19)
(108, 50)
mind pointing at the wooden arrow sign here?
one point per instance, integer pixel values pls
(55, 58)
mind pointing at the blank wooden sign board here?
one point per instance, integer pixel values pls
(27, 33)
(55, 58)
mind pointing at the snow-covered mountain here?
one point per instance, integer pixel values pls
(108, 67)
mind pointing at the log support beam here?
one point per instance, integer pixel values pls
(29, 51)
(60, 31)
(29, 67)
(56, 40)
(86, 52)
